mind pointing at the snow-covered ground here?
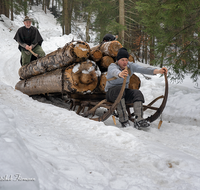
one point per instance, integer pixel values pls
(50, 148)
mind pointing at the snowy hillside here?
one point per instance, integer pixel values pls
(50, 148)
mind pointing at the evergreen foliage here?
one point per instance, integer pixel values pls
(175, 25)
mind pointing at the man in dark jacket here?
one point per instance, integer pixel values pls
(29, 39)
(115, 76)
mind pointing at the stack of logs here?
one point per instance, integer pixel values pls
(74, 69)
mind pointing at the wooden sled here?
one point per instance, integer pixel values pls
(94, 102)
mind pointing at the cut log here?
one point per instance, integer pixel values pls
(131, 58)
(71, 53)
(106, 61)
(50, 82)
(134, 82)
(110, 48)
(102, 83)
(95, 55)
(80, 78)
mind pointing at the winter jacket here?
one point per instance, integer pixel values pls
(28, 36)
(114, 70)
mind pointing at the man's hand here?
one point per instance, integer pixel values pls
(160, 71)
(124, 73)
(28, 47)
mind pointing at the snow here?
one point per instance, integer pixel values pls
(50, 148)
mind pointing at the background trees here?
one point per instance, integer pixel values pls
(162, 32)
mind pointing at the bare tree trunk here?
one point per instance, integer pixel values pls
(198, 66)
(88, 27)
(25, 7)
(11, 10)
(43, 2)
(145, 48)
(4, 7)
(152, 50)
(1, 6)
(121, 20)
(67, 14)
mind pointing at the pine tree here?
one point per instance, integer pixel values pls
(175, 25)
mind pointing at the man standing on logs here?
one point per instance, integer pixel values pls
(115, 76)
(30, 41)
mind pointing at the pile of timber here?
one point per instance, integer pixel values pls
(74, 69)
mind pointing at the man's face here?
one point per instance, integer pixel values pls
(122, 63)
(27, 23)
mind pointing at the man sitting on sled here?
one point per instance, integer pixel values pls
(115, 76)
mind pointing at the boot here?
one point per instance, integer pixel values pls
(138, 111)
(125, 124)
(121, 110)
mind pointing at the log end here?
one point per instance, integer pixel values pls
(111, 48)
(81, 49)
(131, 58)
(96, 55)
(102, 83)
(134, 82)
(82, 77)
(106, 61)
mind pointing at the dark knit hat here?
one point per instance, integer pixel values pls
(122, 53)
(27, 18)
(109, 37)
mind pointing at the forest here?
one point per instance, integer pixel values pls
(155, 32)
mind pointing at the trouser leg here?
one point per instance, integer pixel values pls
(138, 110)
(38, 50)
(121, 110)
(26, 57)
(111, 96)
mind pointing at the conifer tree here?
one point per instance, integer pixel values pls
(175, 25)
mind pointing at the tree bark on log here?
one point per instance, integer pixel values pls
(71, 53)
(80, 78)
(110, 48)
